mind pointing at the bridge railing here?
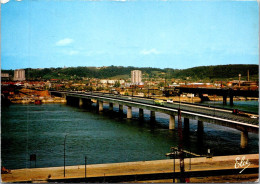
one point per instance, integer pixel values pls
(183, 106)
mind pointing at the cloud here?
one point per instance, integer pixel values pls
(4, 1)
(64, 42)
(120, 0)
(73, 52)
(148, 52)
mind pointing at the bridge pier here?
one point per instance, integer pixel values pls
(63, 95)
(200, 126)
(152, 115)
(186, 124)
(224, 99)
(97, 105)
(172, 122)
(68, 100)
(80, 102)
(231, 100)
(129, 112)
(100, 106)
(110, 106)
(141, 113)
(120, 109)
(88, 103)
(244, 139)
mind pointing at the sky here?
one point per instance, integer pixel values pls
(145, 33)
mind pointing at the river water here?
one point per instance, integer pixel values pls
(101, 137)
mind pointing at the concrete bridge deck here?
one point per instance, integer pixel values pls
(219, 116)
(214, 115)
(142, 170)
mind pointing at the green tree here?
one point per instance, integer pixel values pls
(117, 84)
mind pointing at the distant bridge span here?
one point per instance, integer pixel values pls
(220, 116)
(220, 92)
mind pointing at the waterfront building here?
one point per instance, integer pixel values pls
(19, 75)
(5, 76)
(136, 76)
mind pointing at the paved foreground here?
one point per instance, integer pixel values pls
(241, 166)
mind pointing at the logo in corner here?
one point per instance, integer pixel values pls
(242, 163)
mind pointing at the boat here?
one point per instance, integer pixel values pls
(37, 102)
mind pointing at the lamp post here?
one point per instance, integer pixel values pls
(239, 76)
(214, 105)
(85, 168)
(174, 166)
(132, 90)
(172, 155)
(64, 152)
(179, 101)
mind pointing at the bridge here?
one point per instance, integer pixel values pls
(219, 116)
(220, 92)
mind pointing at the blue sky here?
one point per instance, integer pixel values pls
(154, 33)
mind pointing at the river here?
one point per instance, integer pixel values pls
(101, 137)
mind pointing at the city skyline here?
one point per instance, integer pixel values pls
(161, 34)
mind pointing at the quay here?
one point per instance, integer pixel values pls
(235, 166)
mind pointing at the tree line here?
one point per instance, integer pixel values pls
(217, 72)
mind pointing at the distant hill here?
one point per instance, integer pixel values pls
(219, 72)
(208, 73)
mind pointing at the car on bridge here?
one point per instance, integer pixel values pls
(245, 114)
(169, 101)
(159, 102)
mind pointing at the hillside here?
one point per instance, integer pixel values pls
(219, 72)
(208, 73)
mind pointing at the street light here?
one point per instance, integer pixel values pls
(85, 168)
(239, 76)
(64, 153)
(214, 105)
(172, 155)
(179, 100)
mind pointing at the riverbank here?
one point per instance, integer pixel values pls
(136, 169)
(27, 96)
(28, 100)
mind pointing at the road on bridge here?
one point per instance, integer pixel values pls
(201, 109)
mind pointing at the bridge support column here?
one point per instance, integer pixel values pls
(97, 104)
(231, 100)
(141, 113)
(200, 126)
(186, 124)
(172, 122)
(110, 106)
(152, 115)
(224, 99)
(68, 100)
(244, 139)
(100, 106)
(80, 102)
(120, 109)
(129, 112)
(88, 103)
